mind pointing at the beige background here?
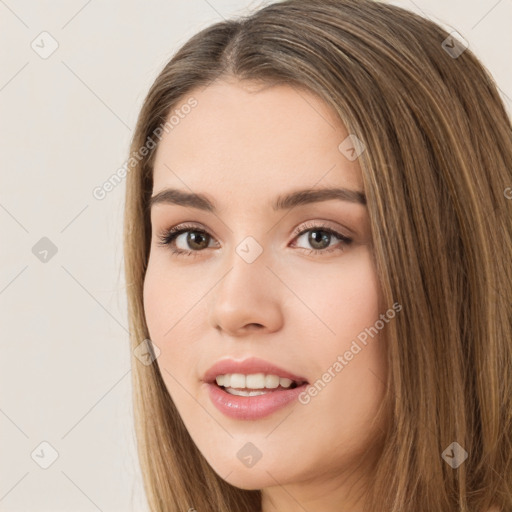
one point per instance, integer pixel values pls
(66, 121)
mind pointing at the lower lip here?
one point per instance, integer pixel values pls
(251, 407)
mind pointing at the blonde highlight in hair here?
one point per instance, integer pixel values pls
(435, 171)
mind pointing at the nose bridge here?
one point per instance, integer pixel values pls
(243, 295)
(247, 268)
(250, 241)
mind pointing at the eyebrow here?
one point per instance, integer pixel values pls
(283, 202)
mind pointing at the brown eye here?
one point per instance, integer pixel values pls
(319, 238)
(195, 240)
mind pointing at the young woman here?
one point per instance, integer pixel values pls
(318, 238)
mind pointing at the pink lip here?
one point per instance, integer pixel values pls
(250, 407)
(247, 366)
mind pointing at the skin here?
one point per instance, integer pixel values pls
(242, 146)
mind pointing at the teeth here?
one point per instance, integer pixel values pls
(242, 392)
(252, 381)
(273, 381)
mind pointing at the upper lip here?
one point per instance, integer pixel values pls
(248, 366)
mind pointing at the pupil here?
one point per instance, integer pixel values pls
(193, 236)
(313, 238)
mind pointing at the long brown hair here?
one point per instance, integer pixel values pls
(437, 173)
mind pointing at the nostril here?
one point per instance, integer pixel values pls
(256, 326)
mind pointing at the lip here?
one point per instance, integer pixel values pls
(248, 366)
(250, 407)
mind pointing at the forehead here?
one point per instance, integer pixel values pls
(253, 141)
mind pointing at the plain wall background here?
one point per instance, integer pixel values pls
(66, 122)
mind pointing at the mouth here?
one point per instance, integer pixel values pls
(252, 388)
(253, 403)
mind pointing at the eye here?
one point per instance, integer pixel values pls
(195, 239)
(198, 239)
(319, 238)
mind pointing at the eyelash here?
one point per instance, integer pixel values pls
(169, 236)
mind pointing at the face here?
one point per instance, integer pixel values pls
(294, 286)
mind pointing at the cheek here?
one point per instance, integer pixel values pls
(161, 318)
(168, 298)
(155, 307)
(350, 356)
(343, 300)
(171, 303)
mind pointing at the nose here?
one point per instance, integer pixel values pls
(247, 298)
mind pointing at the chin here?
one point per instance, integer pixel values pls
(236, 473)
(248, 480)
